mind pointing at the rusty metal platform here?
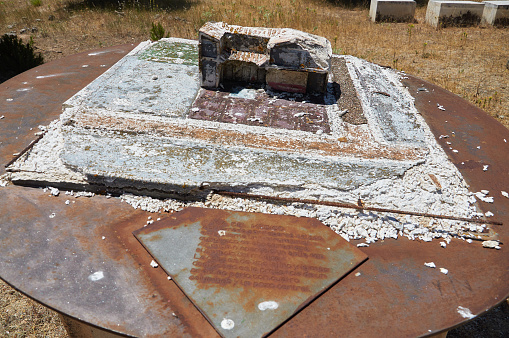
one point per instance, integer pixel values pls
(248, 272)
(55, 252)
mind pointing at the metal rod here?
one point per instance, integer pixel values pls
(25, 150)
(353, 206)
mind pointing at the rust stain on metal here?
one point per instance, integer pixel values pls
(256, 270)
(435, 181)
(68, 248)
(359, 206)
(164, 294)
(27, 148)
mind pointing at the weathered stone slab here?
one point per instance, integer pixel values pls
(392, 10)
(363, 139)
(117, 133)
(385, 105)
(496, 13)
(168, 164)
(454, 13)
(157, 79)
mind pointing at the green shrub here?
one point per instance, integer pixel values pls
(157, 32)
(36, 3)
(16, 57)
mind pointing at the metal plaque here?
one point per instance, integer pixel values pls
(248, 272)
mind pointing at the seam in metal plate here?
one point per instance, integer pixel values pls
(248, 272)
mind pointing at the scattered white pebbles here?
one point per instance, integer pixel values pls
(481, 195)
(491, 245)
(227, 324)
(465, 312)
(54, 191)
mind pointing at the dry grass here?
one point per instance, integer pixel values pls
(22, 317)
(470, 62)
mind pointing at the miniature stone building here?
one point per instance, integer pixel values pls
(283, 58)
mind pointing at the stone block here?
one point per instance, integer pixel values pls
(454, 13)
(496, 13)
(392, 10)
(287, 80)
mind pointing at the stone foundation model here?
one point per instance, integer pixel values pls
(285, 59)
(147, 127)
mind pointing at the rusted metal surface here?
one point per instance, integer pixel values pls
(248, 272)
(27, 148)
(77, 329)
(82, 260)
(55, 253)
(51, 259)
(399, 294)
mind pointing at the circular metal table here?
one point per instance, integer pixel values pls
(50, 258)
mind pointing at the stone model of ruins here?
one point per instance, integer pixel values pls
(308, 125)
(285, 59)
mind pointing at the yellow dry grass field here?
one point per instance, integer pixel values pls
(22, 317)
(469, 61)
